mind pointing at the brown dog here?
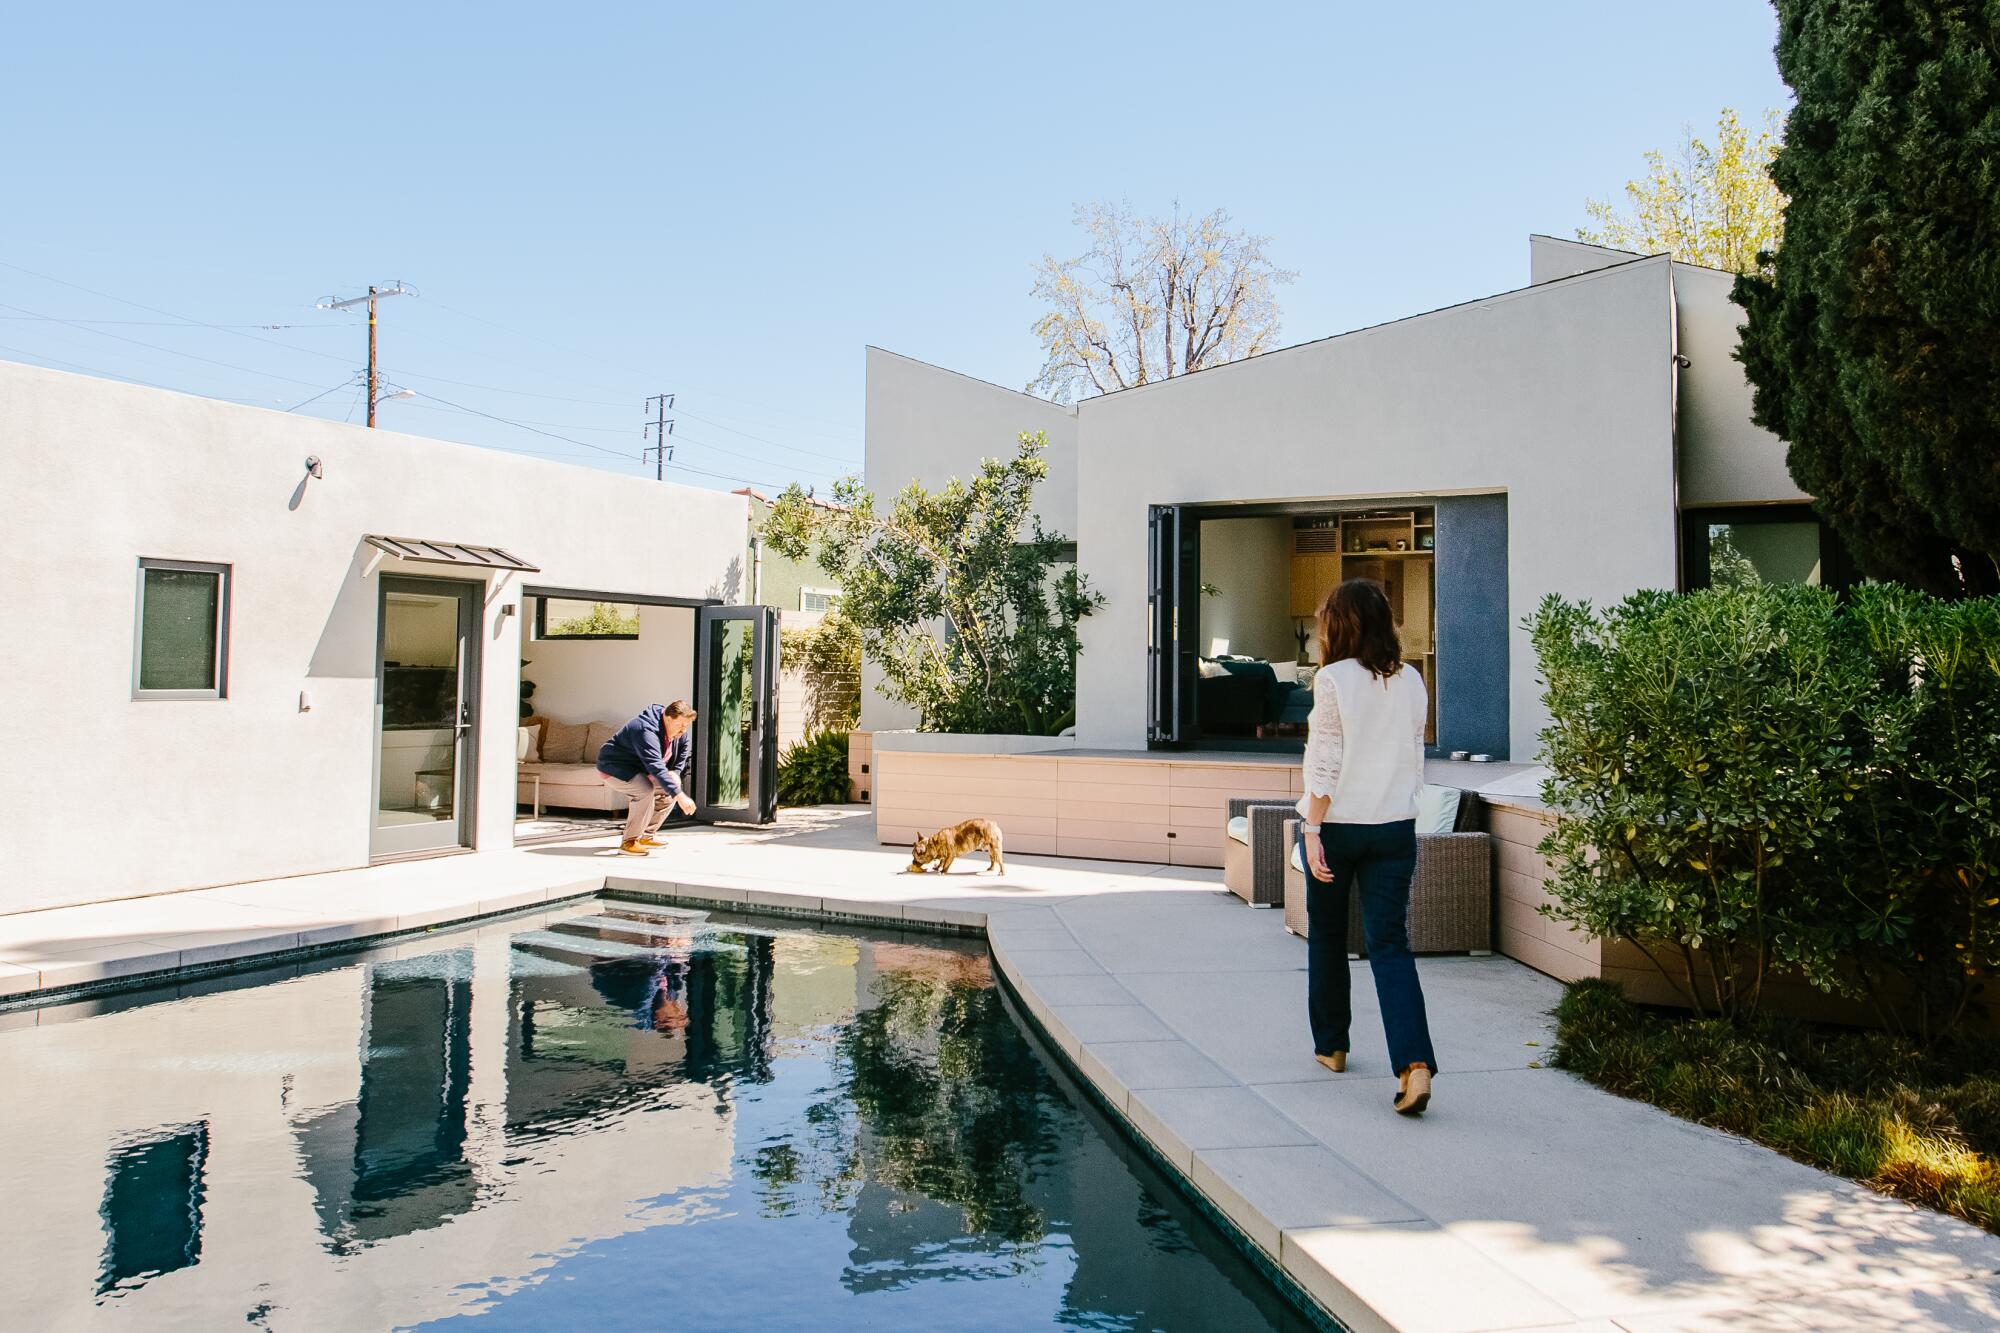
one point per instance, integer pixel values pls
(946, 845)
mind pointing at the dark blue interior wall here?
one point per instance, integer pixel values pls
(1472, 624)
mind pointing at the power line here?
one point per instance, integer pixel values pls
(170, 351)
(323, 393)
(814, 453)
(87, 370)
(168, 324)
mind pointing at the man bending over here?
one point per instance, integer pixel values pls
(644, 763)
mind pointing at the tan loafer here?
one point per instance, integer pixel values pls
(1337, 1061)
(650, 841)
(632, 849)
(1415, 1093)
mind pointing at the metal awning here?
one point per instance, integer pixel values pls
(462, 554)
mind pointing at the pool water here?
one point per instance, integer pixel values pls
(611, 1114)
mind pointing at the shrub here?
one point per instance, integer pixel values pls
(1754, 777)
(1700, 750)
(962, 599)
(814, 771)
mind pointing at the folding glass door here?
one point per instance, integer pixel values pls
(736, 730)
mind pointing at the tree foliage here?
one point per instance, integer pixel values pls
(814, 771)
(1152, 298)
(602, 620)
(960, 597)
(1874, 345)
(1708, 204)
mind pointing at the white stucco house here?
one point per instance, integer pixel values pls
(244, 644)
(1588, 434)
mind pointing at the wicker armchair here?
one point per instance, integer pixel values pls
(1255, 872)
(1451, 893)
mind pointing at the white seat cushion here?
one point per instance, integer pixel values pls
(1437, 809)
(1239, 829)
(1298, 856)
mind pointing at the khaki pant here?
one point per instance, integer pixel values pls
(647, 805)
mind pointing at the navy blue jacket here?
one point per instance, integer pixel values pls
(637, 750)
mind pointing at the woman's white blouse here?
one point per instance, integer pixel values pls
(1365, 743)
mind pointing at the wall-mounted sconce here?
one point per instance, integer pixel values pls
(314, 468)
(508, 609)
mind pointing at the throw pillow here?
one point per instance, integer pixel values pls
(1287, 672)
(1239, 829)
(562, 742)
(599, 733)
(528, 745)
(1437, 809)
(1211, 670)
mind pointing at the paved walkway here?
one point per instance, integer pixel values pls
(1525, 1199)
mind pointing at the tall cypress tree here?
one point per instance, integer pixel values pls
(1873, 346)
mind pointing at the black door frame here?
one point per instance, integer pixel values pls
(760, 805)
(471, 597)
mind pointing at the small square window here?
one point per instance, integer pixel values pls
(183, 631)
(818, 599)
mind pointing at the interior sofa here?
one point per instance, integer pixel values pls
(1240, 695)
(564, 756)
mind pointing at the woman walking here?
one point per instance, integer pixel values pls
(1364, 765)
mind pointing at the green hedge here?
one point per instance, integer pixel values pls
(1764, 777)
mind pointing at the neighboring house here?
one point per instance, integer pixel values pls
(793, 586)
(244, 644)
(1588, 435)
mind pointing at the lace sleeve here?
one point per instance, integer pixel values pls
(1323, 739)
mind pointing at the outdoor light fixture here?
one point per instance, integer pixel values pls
(314, 468)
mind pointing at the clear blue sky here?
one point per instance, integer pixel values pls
(598, 202)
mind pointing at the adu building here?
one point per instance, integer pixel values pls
(1588, 434)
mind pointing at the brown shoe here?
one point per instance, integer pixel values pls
(633, 849)
(1415, 1094)
(1337, 1061)
(650, 841)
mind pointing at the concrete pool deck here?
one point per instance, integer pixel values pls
(1525, 1199)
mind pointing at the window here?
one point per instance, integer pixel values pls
(1735, 548)
(183, 635)
(565, 618)
(818, 599)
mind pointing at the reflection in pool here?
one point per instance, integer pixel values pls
(610, 1112)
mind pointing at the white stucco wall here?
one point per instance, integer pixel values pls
(1558, 395)
(1553, 257)
(1726, 458)
(109, 797)
(929, 425)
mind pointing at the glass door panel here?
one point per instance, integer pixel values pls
(736, 673)
(424, 714)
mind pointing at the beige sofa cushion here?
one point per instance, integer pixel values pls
(600, 732)
(562, 742)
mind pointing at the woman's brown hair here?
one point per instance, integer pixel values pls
(1355, 621)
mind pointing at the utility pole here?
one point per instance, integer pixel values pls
(660, 428)
(374, 294)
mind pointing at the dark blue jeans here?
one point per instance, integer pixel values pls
(1376, 860)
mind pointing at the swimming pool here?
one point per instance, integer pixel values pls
(604, 1113)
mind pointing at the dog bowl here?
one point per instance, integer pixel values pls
(1460, 754)
(1481, 758)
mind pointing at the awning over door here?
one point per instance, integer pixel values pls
(462, 554)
